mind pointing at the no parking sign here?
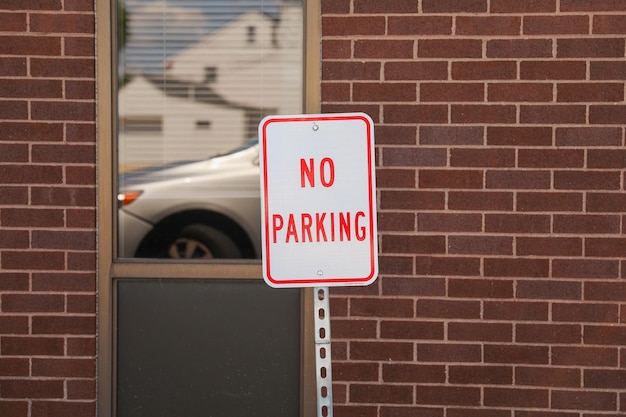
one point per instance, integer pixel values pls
(318, 200)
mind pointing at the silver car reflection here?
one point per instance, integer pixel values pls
(201, 209)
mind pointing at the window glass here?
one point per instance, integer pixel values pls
(195, 77)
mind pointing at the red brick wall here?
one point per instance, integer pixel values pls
(502, 207)
(47, 208)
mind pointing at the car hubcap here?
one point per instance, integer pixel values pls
(189, 249)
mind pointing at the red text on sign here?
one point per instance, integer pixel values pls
(307, 171)
(318, 227)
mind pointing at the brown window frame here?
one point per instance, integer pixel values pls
(111, 268)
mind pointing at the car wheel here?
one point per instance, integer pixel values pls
(199, 241)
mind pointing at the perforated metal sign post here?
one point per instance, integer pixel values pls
(318, 214)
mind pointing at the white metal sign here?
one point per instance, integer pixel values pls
(318, 200)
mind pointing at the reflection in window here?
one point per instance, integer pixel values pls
(195, 78)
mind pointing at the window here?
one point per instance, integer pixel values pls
(190, 81)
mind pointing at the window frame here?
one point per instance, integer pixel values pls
(110, 268)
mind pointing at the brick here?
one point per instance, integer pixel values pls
(13, 195)
(28, 131)
(61, 23)
(85, 90)
(606, 158)
(63, 196)
(548, 333)
(30, 346)
(396, 222)
(14, 367)
(59, 110)
(604, 378)
(483, 201)
(519, 136)
(13, 22)
(590, 48)
(418, 113)
(15, 88)
(10, 66)
(80, 175)
(592, 6)
(457, 179)
(588, 136)
(604, 335)
(448, 309)
(454, 6)
(396, 6)
(413, 244)
(379, 92)
(449, 48)
(395, 178)
(76, 325)
(548, 246)
(451, 135)
(30, 303)
(64, 282)
(587, 224)
(583, 356)
(513, 6)
(605, 247)
(425, 200)
(81, 389)
(451, 92)
(376, 394)
(32, 388)
(480, 245)
(585, 313)
(590, 92)
(482, 157)
(81, 304)
(584, 268)
(556, 25)
(60, 239)
(447, 266)
(607, 114)
(395, 135)
(516, 267)
(14, 110)
(415, 157)
(517, 223)
(448, 352)
(516, 310)
(420, 286)
(83, 346)
(77, 46)
(414, 373)
(606, 202)
(607, 70)
(546, 290)
(380, 307)
(335, 91)
(32, 5)
(553, 70)
(353, 25)
(14, 152)
(416, 70)
(336, 7)
(553, 114)
(13, 324)
(517, 397)
(336, 49)
(79, 5)
(360, 371)
(383, 49)
(418, 25)
(33, 260)
(399, 351)
(480, 288)
(355, 410)
(549, 202)
(14, 239)
(30, 45)
(448, 395)
(485, 332)
(488, 25)
(14, 281)
(25, 217)
(483, 113)
(605, 291)
(520, 92)
(586, 180)
(63, 408)
(484, 70)
(519, 48)
(518, 179)
(551, 158)
(516, 353)
(395, 265)
(70, 368)
(583, 400)
(81, 261)
(416, 330)
(449, 222)
(480, 374)
(349, 70)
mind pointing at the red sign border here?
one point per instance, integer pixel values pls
(372, 208)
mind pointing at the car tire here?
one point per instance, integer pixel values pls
(199, 241)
